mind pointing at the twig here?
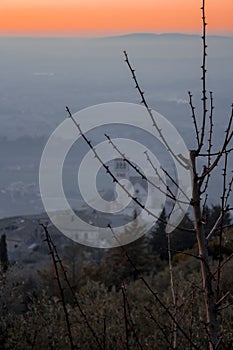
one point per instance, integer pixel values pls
(157, 298)
(222, 299)
(57, 260)
(229, 192)
(194, 118)
(222, 151)
(204, 208)
(176, 184)
(34, 339)
(125, 317)
(143, 101)
(221, 223)
(225, 307)
(210, 145)
(191, 316)
(139, 171)
(160, 327)
(104, 335)
(61, 289)
(214, 154)
(114, 178)
(185, 253)
(203, 78)
(172, 195)
(215, 227)
(130, 321)
(224, 263)
(174, 297)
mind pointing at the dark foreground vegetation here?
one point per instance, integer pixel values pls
(116, 299)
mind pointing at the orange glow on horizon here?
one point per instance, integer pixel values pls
(99, 17)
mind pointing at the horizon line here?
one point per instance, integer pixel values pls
(103, 36)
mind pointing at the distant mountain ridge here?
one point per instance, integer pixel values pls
(162, 35)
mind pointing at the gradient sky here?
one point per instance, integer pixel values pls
(101, 17)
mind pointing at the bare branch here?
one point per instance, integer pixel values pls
(125, 317)
(185, 253)
(177, 185)
(115, 180)
(221, 223)
(177, 157)
(220, 301)
(161, 328)
(172, 195)
(61, 289)
(210, 145)
(56, 260)
(129, 318)
(191, 315)
(194, 118)
(229, 192)
(143, 176)
(104, 334)
(223, 264)
(203, 78)
(227, 140)
(174, 296)
(216, 225)
(157, 298)
(214, 154)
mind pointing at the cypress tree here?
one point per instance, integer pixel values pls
(3, 254)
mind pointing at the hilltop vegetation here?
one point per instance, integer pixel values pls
(121, 296)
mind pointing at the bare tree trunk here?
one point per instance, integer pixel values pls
(207, 277)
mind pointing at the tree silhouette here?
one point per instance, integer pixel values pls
(3, 254)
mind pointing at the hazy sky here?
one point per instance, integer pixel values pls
(101, 17)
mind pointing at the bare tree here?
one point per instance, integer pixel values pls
(201, 174)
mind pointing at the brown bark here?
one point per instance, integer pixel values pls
(207, 277)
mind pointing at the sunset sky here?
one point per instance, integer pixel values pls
(106, 17)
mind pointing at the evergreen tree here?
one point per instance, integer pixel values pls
(3, 254)
(158, 238)
(127, 262)
(211, 215)
(181, 239)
